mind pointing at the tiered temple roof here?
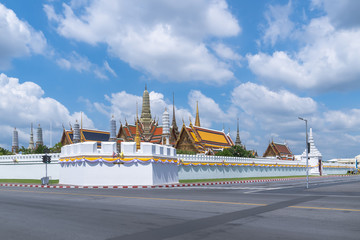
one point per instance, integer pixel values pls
(278, 150)
(127, 133)
(87, 135)
(202, 140)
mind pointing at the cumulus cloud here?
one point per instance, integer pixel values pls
(24, 103)
(328, 61)
(257, 99)
(338, 121)
(18, 39)
(279, 25)
(164, 39)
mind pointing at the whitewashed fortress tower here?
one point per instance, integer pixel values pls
(315, 157)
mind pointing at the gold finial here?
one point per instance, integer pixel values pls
(197, 119)
(137, 137)
(190, 121)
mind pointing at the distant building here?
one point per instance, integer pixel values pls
(278, 150)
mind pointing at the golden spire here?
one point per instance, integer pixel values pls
(137, 137)
(197, 120)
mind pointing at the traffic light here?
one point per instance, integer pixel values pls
(308, 147)
(46, 158)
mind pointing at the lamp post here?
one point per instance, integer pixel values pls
(307, 151)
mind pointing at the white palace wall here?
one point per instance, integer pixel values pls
(28, 166)
(84, 164)
(212, 167)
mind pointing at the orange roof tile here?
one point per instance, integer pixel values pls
(158, 131)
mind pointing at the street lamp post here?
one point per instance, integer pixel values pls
(306, 150)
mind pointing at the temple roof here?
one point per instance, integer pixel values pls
(281, 148)
(205, 138)
(130, 130)
(86, 135)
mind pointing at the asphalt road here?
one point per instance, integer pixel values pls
(329, 209)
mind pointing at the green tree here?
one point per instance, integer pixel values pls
(235, 151)
(56, 148)
(41, 149)
(24, 150)
(4, 151)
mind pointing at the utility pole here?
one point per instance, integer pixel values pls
(307, 152)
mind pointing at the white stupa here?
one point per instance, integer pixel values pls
(314, 156)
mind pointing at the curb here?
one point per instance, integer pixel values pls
(155, 186)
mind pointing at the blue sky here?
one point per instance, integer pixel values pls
(264, 62)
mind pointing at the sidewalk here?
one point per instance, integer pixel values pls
(158, 186)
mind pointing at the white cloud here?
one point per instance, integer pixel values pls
(342, 14)
(109, 69)
(18, 38)
(209, 111)
(225, 52)
(328, 61)
(24, 103)
(258, 100)
(338, 121)
(82, 64)
(161, 38)
(274, 115)
(279, 24)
